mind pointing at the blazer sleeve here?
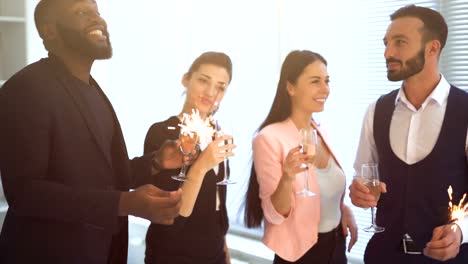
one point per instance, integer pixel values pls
(141, 166)
(268, 163)
(25, 151)
(141, 170)
(153, 139)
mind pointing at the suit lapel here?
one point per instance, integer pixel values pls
(64, 77)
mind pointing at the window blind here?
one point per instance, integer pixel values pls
(454, 59)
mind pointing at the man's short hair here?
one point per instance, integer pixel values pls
(435, 26)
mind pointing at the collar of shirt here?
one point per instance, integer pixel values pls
(439, 95)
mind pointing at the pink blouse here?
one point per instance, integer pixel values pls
(292, 236)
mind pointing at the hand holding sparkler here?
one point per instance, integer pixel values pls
(446, 239)
(445, 242)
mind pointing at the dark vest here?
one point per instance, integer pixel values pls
(417, 199)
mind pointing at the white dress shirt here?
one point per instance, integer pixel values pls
(406, 139)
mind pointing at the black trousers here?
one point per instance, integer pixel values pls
(180, 259)
(329, 249)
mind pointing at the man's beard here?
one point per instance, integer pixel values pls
(409, 68)
(76, 41)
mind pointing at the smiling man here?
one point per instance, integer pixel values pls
(418, 136)
(63, 160)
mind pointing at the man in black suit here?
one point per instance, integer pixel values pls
(63, 161)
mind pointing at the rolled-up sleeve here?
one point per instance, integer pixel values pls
(268, 162)
(463, 224)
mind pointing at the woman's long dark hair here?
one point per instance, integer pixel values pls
(293, 66)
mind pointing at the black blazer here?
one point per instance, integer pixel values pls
(61, 186)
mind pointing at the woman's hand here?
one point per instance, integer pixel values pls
(215, 153)
(348, 222)
(226, 251)
(292, 164)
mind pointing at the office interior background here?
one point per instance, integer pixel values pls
(154, 43)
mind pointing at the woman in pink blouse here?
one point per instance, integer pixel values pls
(298, 229)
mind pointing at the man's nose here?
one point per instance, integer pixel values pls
(389, 52)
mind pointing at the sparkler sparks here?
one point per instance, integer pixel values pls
(193, 125)
(457, 212)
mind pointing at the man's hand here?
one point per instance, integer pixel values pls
(445, 242)
(169, 155)
(361, 196)
(151, 203)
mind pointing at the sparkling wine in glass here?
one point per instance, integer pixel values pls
(370, 179)
(188, 142)
(308, 143)
(225, 180)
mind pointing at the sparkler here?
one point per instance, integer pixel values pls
(197, 128)
(457, 212)
(193, 125)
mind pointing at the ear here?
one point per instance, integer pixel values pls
(185, 80)
(434, 48)
(48, 31)
(290, 88)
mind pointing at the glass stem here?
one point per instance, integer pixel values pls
(373, 216)
(183, 170)
(225, 170)
(306, 179)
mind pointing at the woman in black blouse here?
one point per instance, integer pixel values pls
(198, 235)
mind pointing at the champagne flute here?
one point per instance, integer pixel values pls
(370, 179)
(309, 147)
(188, 142)
(225, 180)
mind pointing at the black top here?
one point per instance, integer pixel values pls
(417, 201)
(198, 238)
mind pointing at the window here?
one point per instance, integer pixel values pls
(454, 60)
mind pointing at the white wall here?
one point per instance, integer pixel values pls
(155, 42)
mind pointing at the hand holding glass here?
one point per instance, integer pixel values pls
(370, 179)
(308, 143)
